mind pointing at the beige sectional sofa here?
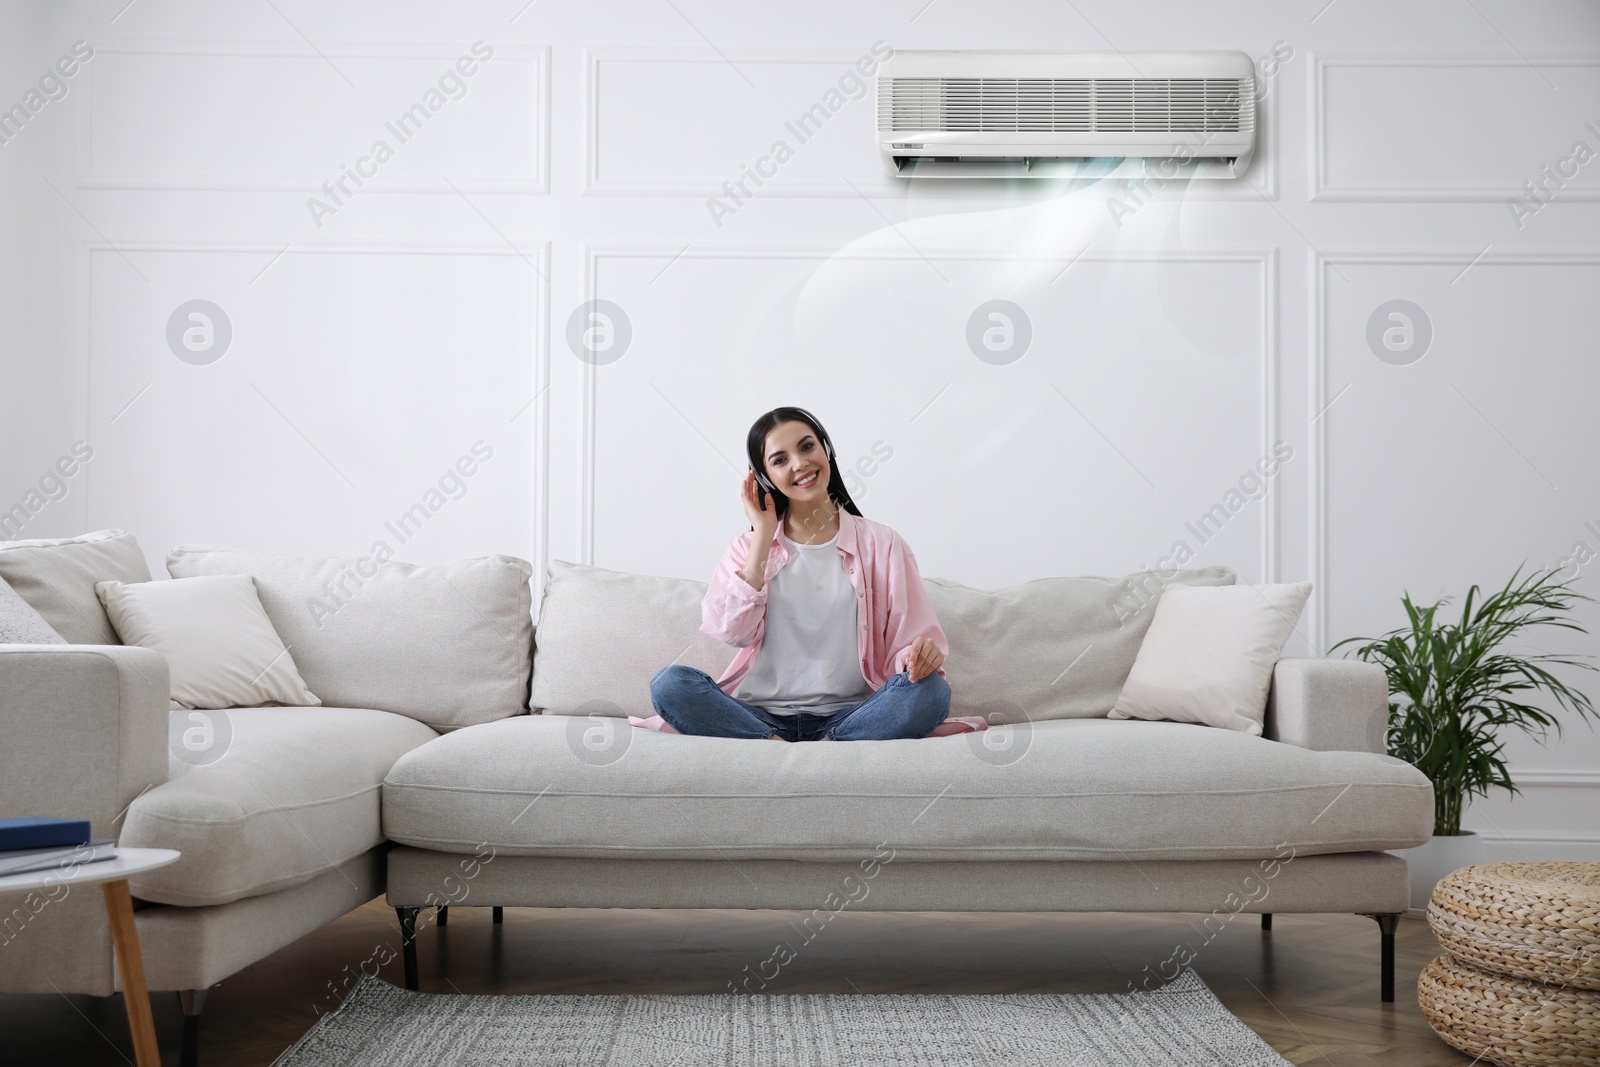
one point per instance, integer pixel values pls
(424, 774)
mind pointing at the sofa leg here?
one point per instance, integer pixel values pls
(408, 943)
(444, 915)
(193, 1001)
(499, 915)
(1388, 923)
(1266, 920)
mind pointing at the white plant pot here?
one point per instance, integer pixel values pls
(1432, 861)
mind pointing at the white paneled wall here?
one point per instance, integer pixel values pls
(398, 208)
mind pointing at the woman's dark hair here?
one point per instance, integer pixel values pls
(756, 443)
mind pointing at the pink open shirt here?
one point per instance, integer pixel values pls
(892, 607)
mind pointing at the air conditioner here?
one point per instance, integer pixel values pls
(1066, 114)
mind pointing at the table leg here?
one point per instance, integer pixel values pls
(125, 938)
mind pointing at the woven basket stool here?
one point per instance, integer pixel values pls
(1519, 984)
(1539, 921)
(1509, 1021)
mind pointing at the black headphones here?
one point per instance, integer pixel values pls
(827, 445)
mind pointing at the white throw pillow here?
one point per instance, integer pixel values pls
(1209, 653)
(221, 649)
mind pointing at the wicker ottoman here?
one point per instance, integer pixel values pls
(1520, 981)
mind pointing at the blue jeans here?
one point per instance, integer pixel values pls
(692, 703)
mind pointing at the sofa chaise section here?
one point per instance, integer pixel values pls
(297, 792)
(279, 837)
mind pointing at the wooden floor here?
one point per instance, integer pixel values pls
(1309, 987)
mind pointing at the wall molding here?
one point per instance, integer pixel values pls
(539, 386)
(1321, 189)
(1318, 398)
(1265, 188)
(1538, 837)
(1268, 369)
(1582, 778)
(538, 184)
(595, 185)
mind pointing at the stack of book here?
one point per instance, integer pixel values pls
(28, 845)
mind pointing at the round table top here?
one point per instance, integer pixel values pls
(128, 862)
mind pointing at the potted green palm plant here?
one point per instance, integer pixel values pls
(1453, 689)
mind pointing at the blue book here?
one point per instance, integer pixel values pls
(42, 833)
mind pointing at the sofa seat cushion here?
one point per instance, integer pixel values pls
(294, 792)
(1070, 789)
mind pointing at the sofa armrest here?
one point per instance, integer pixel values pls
(83, 730)
(1328, 705)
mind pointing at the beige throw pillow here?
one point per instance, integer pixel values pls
(221, 649)
(1208, 655)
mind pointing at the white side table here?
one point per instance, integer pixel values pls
(112, 878)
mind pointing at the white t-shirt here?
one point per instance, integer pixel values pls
(810, 660)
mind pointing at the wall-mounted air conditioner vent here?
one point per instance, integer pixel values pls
(968, 114)
(1066, 105)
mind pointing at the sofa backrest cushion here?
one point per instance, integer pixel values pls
(1052, 648)
(603, 634)
(56, 577)
(448, 645)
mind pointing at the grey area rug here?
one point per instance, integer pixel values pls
(1182, 1023)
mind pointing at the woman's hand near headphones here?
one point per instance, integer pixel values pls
(765, 523)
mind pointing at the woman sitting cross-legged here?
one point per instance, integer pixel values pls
(837, 638)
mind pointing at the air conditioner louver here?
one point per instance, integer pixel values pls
(1093, 115)
(1066, 105)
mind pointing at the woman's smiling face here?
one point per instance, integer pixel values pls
(794, 455)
